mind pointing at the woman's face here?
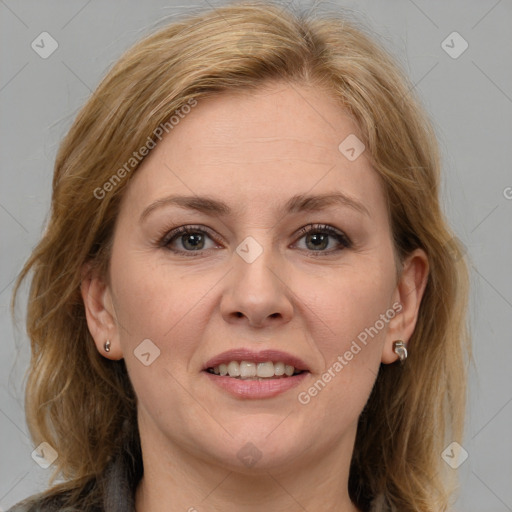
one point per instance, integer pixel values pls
(246, 278)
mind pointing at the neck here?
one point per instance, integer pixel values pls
(176, 480)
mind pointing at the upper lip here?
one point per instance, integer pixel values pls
(243, 354)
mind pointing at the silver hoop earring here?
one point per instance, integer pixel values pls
(400, 349)
(106, 346)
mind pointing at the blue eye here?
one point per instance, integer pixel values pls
(192, 239)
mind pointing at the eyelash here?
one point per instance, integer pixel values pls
(172, 235)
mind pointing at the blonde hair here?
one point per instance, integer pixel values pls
(413, 412)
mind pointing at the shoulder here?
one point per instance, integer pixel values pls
(38, 503)
(54, 501)
(113, 490)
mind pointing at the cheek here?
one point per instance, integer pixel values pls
(166, 304)
(153, 303)
(350, 318)
(151, 297)
(351, 304)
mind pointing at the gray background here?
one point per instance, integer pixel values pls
(470, 102)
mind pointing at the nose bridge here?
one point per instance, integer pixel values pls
(256, 290)
(256, 262)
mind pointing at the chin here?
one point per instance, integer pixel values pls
(261, 447)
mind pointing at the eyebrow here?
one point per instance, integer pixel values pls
(297, 203)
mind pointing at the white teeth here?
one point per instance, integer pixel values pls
(250, 370)
(289, 370)
(279, 368)
(234, 369)
(247, 369)
(265, 369)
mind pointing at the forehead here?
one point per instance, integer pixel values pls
(284, 120)
(259, 147)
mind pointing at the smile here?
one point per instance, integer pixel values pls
(248, 370)
(254, 387)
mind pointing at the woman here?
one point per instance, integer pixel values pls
(247, 296)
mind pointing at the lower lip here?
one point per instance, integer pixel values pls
(256, 388)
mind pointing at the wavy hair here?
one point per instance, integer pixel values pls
(84, 405)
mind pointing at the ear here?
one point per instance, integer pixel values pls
(100, 313)
(409, 292)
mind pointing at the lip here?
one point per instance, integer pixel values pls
(256, 388)
(262, 356)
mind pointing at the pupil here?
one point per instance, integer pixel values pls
(319, 240)
(194, 239)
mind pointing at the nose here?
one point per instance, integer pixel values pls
(257, 292)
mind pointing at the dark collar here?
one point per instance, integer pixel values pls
(120, 479)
